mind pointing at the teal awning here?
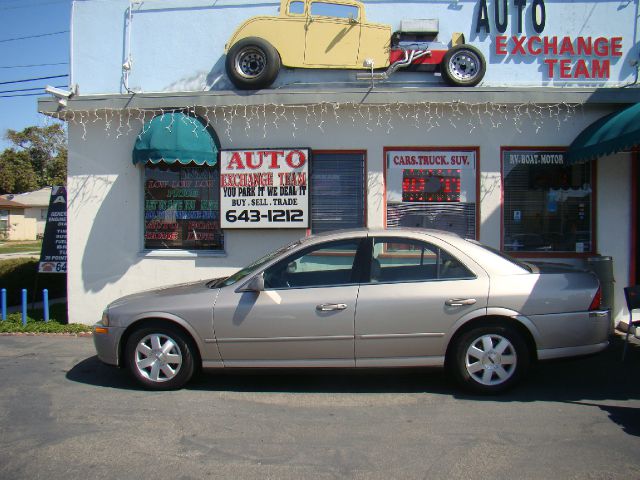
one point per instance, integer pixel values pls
(175, 137)
(612, 133)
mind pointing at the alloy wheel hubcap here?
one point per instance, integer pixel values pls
(158, 357)
(491, 360)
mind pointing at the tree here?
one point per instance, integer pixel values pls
(16, 172)
(37, 159)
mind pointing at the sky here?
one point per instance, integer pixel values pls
(45, 54)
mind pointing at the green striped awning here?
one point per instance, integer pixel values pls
(175, 137)
(612, 133)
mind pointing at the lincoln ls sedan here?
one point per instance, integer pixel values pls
(361, 299)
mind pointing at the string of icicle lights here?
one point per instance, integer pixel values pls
(248, 120)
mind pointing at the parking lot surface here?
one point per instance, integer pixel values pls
(65, 415)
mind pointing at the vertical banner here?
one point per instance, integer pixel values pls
(53, 257)
(264, 188)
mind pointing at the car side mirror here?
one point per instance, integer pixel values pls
(256, 284)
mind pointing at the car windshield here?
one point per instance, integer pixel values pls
(504, 256)
(240, 274)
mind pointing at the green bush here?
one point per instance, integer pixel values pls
(19, 273)
(35, 322)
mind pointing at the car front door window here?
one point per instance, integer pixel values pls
(330, 264)
(296, 8)
(327, 9)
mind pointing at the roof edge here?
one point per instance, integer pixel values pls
(358, 96)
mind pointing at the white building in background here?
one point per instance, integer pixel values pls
(167, 157)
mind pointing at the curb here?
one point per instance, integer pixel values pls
(45, 334)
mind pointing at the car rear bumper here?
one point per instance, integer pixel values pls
(551, 353)
(572, 331)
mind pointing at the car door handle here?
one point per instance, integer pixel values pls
(460, 302)
(331, 307)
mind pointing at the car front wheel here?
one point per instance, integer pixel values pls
(160, 357)
(489, 359)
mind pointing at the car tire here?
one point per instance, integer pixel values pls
(489, 359)
(252, 63)
(160, 357)
(463, 66)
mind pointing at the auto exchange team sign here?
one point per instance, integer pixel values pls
(264, 188)
(563, 56)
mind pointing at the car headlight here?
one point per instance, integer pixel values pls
(105, 319)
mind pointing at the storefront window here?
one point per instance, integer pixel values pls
(547, 203)
(182, 207)
(432, 188)
(337, 191)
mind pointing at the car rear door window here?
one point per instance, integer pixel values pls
(406, 260)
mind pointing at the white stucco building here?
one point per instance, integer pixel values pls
(492, 162)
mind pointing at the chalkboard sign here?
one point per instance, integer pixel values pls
(53, 257)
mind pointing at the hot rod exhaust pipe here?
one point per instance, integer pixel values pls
(409, 57)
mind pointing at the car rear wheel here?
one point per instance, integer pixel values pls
(252, 63)
(463, 66)
(160, 357)
(489, 359)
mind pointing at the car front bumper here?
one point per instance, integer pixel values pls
(107, 341)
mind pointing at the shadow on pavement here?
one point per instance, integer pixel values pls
(581, 381)
(92, 371)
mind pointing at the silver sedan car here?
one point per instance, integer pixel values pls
(363, 298)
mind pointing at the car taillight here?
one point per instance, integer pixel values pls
(597, 300)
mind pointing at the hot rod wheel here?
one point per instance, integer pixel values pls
(252, 63)
(463, 66)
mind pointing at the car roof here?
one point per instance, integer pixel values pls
(363, 232)
(488, 260)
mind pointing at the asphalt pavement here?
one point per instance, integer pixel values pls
(64, 415)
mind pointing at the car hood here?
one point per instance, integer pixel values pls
(160, 296)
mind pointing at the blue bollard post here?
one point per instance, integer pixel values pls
(45, 300)
(24, 307)
(4, 304)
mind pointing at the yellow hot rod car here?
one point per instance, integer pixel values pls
(335, 34)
